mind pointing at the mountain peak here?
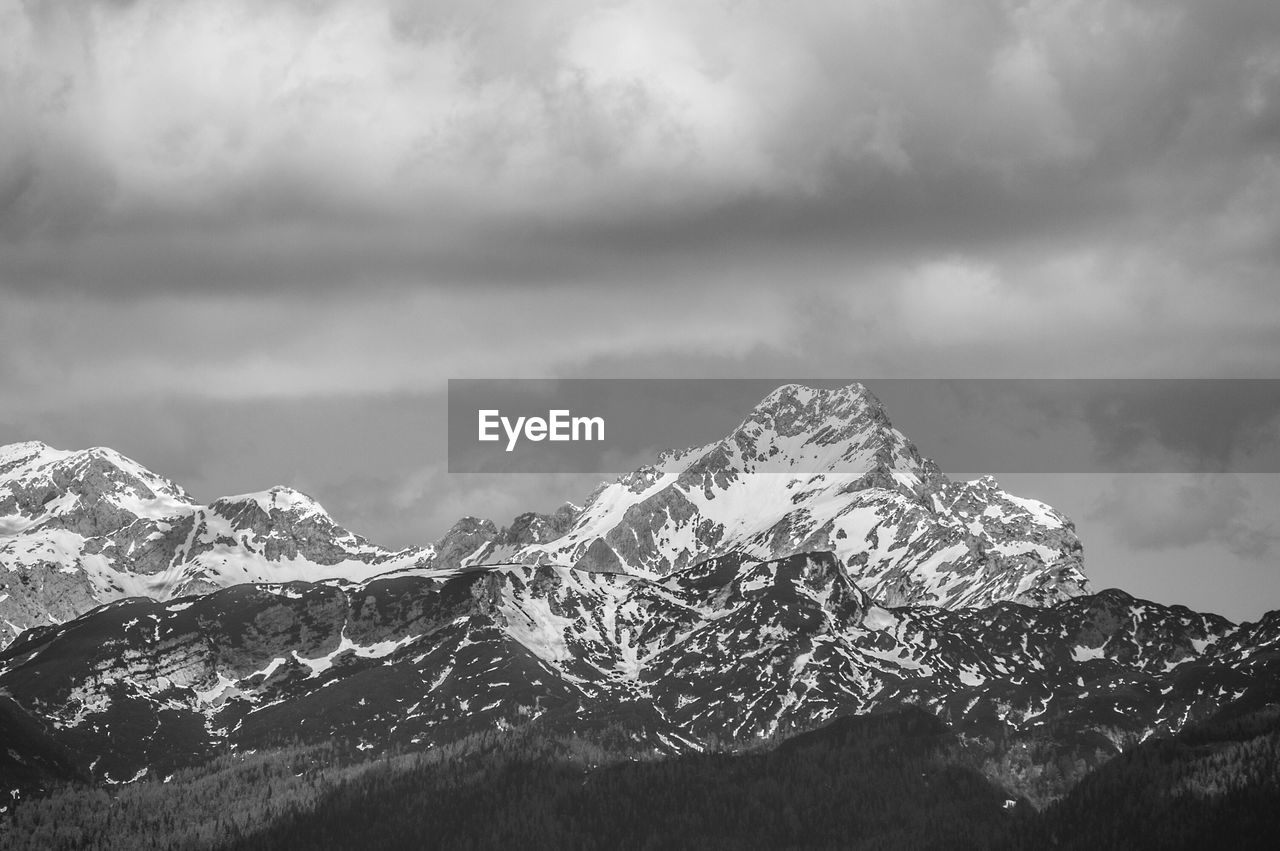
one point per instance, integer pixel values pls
(278, 498)
(797, 428)
(22, 448)
(816, 470)
(792, 396)
(114, 464)
(38, 481)
(27, 451)
(796, 408)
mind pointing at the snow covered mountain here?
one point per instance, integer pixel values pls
(817, 471)
(78, 529)
(807, 471)
(811, 564)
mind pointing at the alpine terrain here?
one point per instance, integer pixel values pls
(808, 568)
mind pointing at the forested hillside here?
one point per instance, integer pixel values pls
(885, 781)
(1215, 785)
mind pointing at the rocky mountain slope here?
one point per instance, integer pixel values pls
(730, 649)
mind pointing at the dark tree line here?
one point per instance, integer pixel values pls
(1215, 785)
(898, 780)
(866, 782)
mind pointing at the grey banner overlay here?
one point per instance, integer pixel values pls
(969, 426)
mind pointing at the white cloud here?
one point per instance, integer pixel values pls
(555, 109)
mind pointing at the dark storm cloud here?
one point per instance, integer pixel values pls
(1171, 513)
(237, 238)
(1212, 425)
(149, 146)
(1155, 425)
(969, 426)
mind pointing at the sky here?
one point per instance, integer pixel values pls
(249, 243)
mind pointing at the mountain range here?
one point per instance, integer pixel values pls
(810, 565)
(807, 471)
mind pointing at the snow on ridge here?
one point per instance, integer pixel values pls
(21, 461)
(804, 394)
(1041, 512)
(161, 507)
(278, 498)
(26, 450)
(847, 482)
(33, 461)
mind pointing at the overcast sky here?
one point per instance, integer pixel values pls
(247, 243)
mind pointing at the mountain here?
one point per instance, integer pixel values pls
(731, 649)
(808, 568)
(78, 529)
(807, 471)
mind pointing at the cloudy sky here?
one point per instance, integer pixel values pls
(248, 242)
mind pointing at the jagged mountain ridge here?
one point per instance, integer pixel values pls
(730, 649)
(813, 470)
(78, 529)
(807, 470)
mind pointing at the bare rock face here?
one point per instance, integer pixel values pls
(534, 528)
(472, 541)
(466, 540)
(600, 558)
(285, 525)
